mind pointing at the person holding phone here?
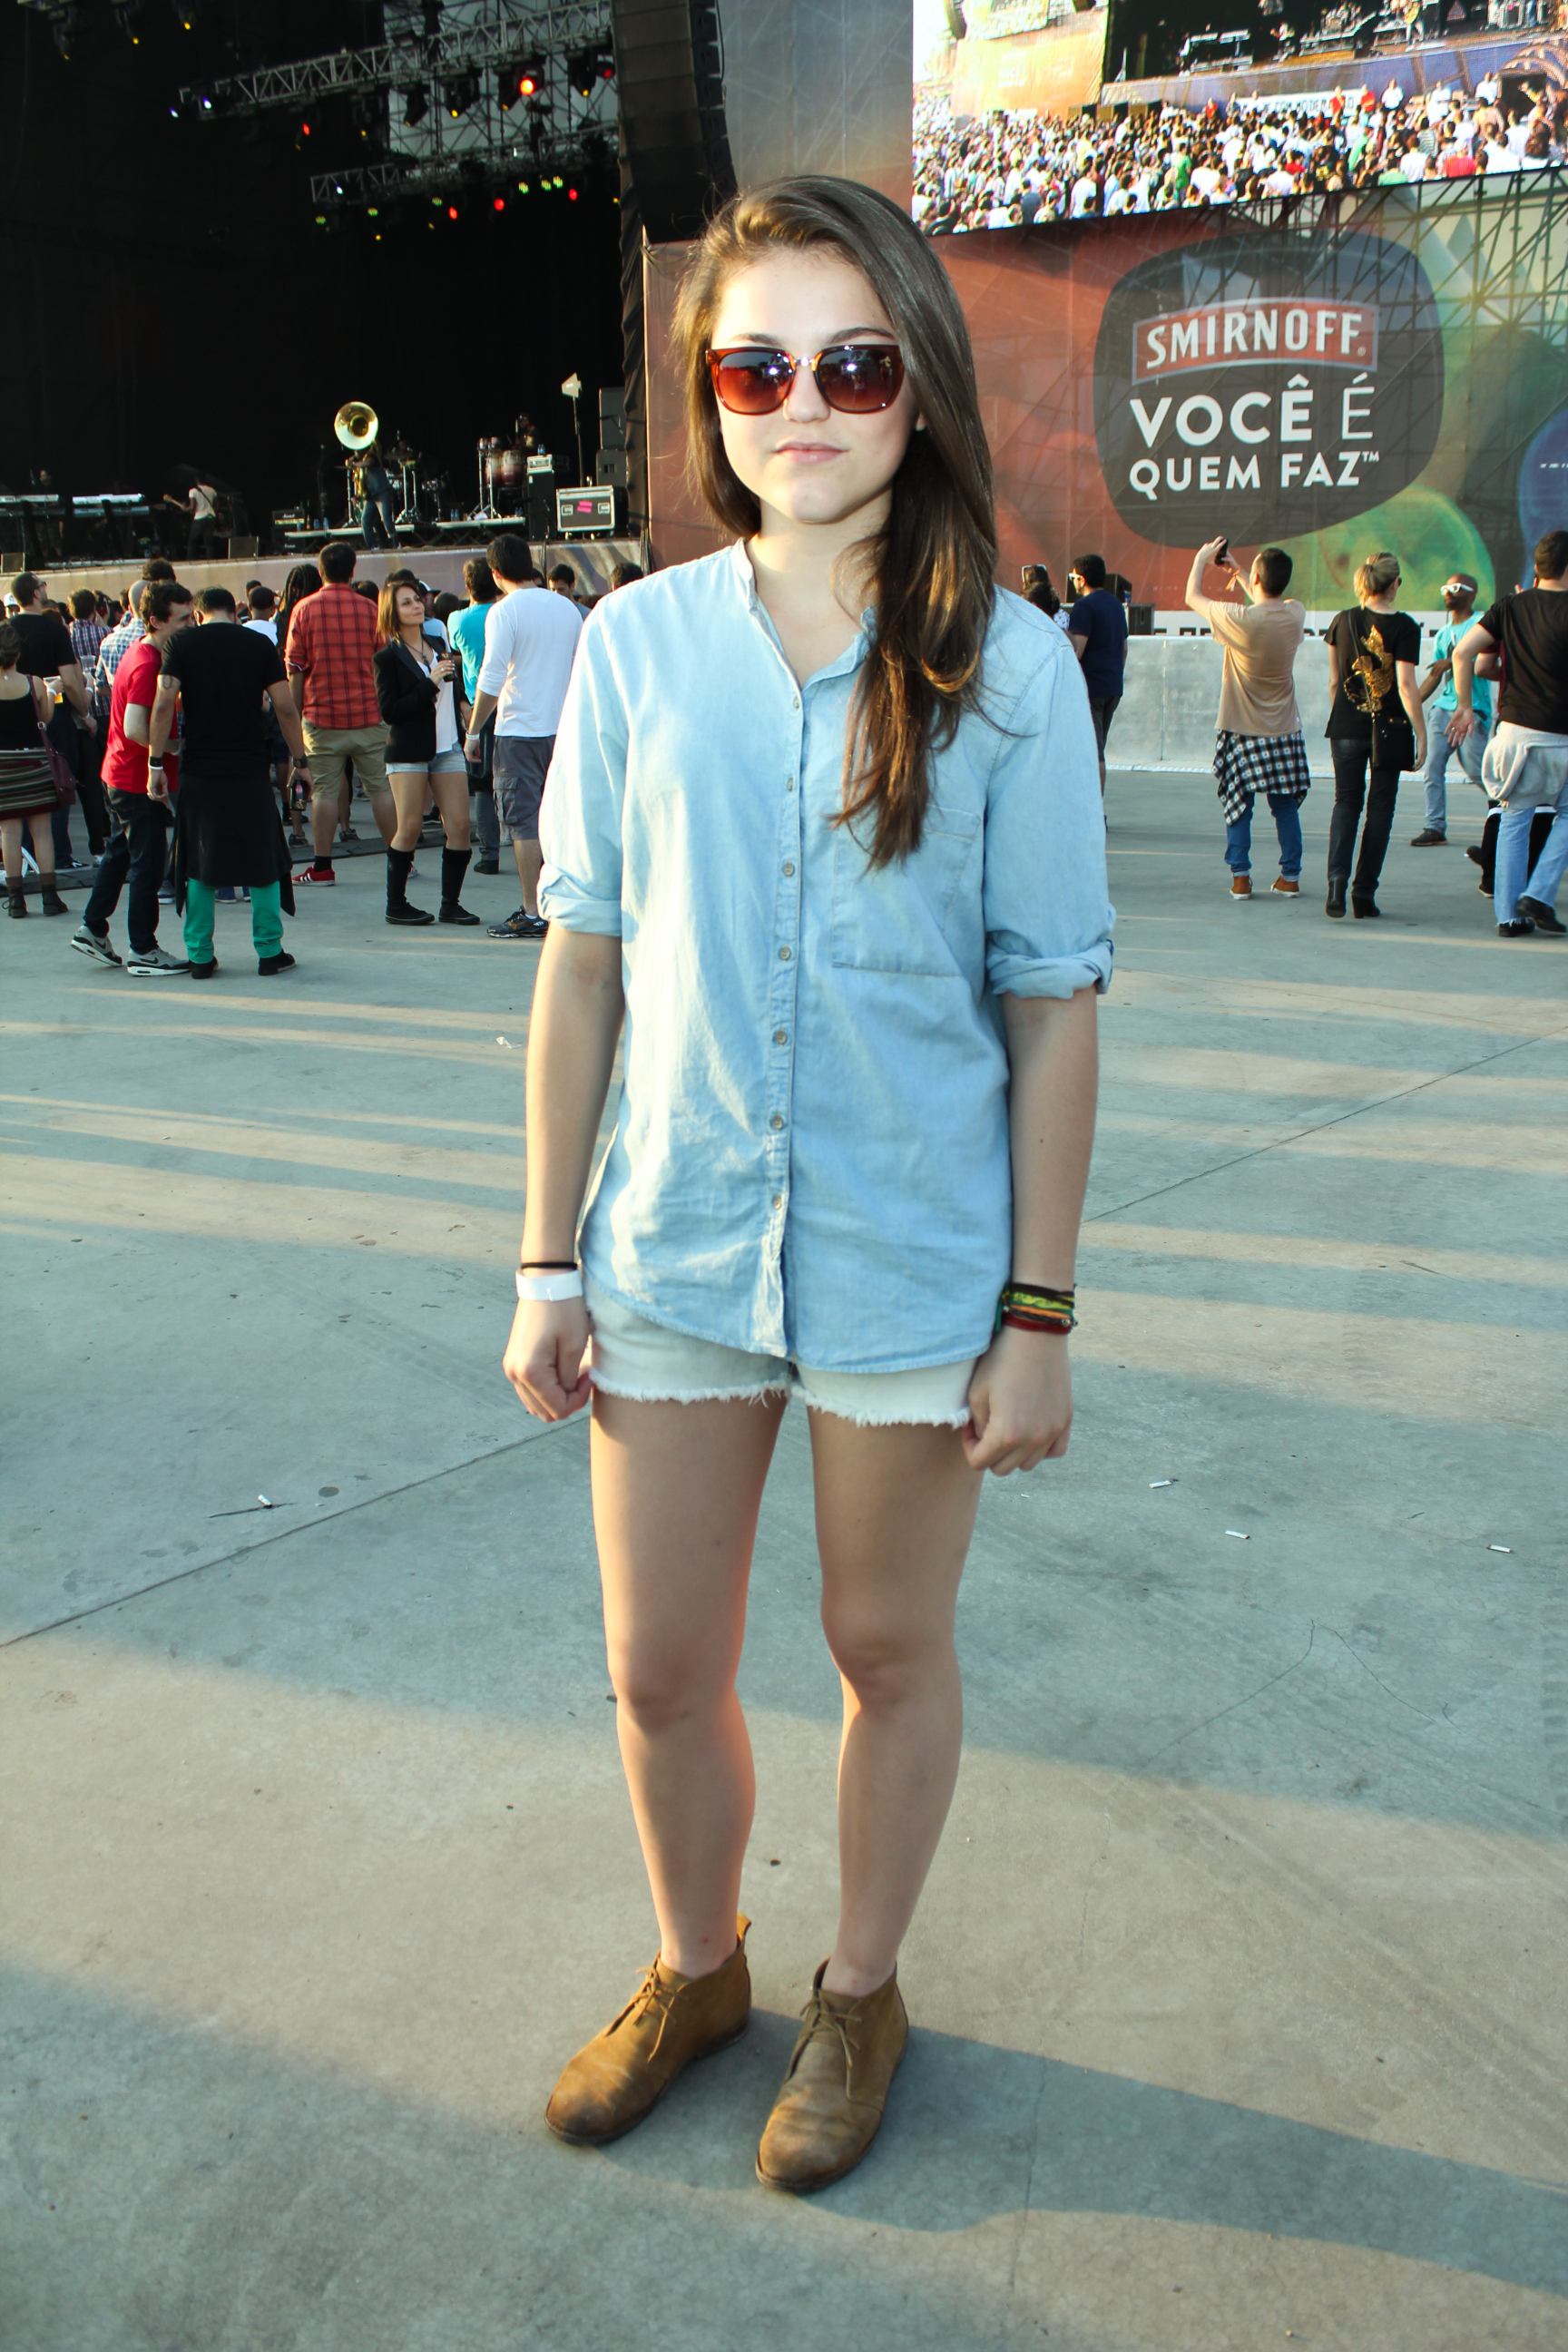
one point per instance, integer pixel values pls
(416, 694)
(1258, 746)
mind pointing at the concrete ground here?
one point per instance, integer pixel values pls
(1241, 1983)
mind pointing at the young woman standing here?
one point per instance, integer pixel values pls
(823, 832)
(1377, 727)
(24, 713)
(415, 694)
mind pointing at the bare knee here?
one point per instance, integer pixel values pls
(662, 1692)
(887, 1663)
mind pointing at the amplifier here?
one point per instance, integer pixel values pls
(542, 465)
(588, 512)
(610, 467)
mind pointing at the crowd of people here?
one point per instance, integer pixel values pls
(187, 764)
(1010, 170)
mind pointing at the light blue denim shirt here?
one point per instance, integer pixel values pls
(811, 1158)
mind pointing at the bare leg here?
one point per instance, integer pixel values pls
(677, 1489)
(530, 866)
(384, 810)
(452, 800)
(323, 825)
(43, 848)
(346, 801)
(895, 1511)
(408, 790)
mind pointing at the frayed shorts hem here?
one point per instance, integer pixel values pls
(647, 1363)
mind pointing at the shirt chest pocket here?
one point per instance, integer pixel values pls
(903, 917)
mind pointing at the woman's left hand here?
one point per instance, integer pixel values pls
(1020, 1403)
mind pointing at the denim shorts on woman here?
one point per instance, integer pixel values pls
(445, 763)
(648, 1362)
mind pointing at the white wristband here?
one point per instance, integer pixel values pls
(550, 1287)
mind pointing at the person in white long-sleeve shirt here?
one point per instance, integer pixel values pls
(530, 637)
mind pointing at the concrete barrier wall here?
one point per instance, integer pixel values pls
(1172, 693)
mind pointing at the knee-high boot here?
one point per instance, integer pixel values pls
(454, 866)
(399, 863)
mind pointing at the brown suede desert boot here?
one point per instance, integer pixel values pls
(830, 2109)
(615, 2079)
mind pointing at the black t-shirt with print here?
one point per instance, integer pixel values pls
(1532, 630)
(223, 671)
(1399, 639)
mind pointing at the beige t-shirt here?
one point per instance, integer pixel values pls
(1258, 695)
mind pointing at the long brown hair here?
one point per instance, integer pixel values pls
(387, 624)
(933, 561)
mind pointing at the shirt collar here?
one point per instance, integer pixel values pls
(747, 580)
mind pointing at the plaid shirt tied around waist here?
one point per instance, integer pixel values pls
(1245, 765)
(331, 638)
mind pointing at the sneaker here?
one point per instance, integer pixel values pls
(204, 971)
(1522, 928)
(1543, 917)
(411, 918)
(1427, 839)
(281, 961)
(88, 943)
(457, 914)
(1241, 886)
(322, 874)
(486, 866)
(166, 895)
(156, 964)
(347, 833)
(1282, 887)
(519, 925)
(1474, 854)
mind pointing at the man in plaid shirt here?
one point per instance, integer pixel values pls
(330, 653)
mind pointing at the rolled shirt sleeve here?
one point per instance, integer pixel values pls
(580, 816)
(1048, 915)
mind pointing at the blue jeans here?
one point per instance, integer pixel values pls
(1509, 884)
(1439, 752)
(1287, 824)
(138, 850)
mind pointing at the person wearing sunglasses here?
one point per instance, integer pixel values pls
(824, 847)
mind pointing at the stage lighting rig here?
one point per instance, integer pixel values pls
(415, 104)
(521, 79)
(587, 68)
(187, 15)
(128, 16)
(65, 21)
(462, 90)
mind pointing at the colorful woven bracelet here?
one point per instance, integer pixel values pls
(1024, 1307)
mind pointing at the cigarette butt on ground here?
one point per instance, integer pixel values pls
(1238, 1534)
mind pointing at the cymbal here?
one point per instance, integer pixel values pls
(401, 457)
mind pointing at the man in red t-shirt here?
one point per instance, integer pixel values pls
(140, 845)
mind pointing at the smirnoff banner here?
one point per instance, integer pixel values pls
(1382, 371)
(1261, 387)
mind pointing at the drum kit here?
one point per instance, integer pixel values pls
(504, 468)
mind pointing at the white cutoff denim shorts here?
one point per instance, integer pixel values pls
(653, 1365)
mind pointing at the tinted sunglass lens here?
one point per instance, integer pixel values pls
(753, 383)
(859, 378)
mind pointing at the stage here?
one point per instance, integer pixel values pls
(592, 560)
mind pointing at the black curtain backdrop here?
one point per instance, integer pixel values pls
(167, 297)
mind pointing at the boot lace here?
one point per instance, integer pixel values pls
(819, 2023)
(653, 1997)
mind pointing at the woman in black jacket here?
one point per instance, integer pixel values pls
(1377, 730)
(417, 691)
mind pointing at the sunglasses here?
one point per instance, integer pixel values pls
(858, 379)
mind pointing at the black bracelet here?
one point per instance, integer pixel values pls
(547, 1265)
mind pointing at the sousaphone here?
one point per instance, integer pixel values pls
(356, 424)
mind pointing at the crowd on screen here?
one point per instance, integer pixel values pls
(1010, 170)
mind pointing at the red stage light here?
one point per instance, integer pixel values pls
(500, 203)
(451, 212)
(572, 193)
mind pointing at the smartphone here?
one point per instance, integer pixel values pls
(1222, 553)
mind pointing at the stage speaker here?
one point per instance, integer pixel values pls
(610, 466)
(669, 85)
(612, 403)
(241, 549)
(1139, 620)
(541, 506)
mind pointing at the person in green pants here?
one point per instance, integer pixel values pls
(226, 827)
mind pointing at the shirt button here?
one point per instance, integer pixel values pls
(775, 1122)
(789, 865)
(780, 1036)
(783, 955)
(778, 1200)
(794, 702)
(789, 784)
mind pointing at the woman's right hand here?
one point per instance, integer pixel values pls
(544, 1359)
